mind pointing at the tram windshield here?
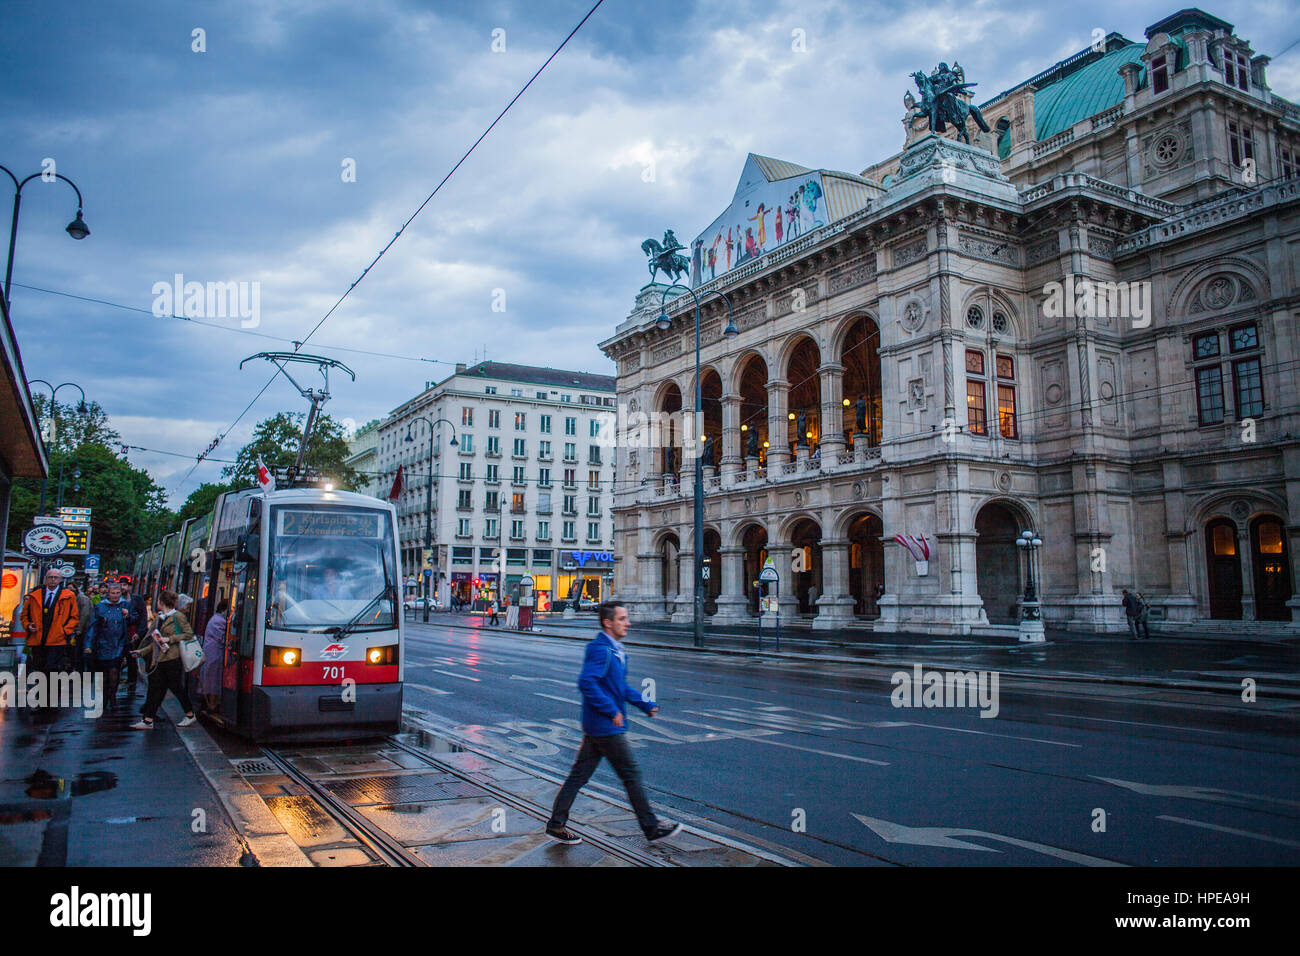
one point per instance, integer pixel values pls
(331, 567)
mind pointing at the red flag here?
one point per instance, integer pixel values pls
(264, 477)
(397, 485)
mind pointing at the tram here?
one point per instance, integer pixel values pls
(314, 633)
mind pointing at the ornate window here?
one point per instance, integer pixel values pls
(974, 317)
(1000, 323)
(976, 395)
(1006, 373)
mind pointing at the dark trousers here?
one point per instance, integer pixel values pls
(112, 671)
(132, 667)
(619, 754)
(1133, 625)
(48, 661)
(168, 676)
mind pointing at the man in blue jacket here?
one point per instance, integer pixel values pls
(605, 696)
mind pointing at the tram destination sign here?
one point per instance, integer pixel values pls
(339, 524)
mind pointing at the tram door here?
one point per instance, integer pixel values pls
(241, 648)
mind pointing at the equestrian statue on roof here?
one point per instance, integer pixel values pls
(943, 100)
(665, 258)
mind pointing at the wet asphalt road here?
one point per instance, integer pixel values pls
(815, 756)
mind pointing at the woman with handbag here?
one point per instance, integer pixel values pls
(162, 654)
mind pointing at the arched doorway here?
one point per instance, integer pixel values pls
(668, 413)
(860, 358)
(754, 541)
(711, 401)
(805, 399)
(669, 562)
(807, 584)
(1223, 567)
(997, 563)
(752, 388)
(866, 565)
(1269, 558)
(712, 561)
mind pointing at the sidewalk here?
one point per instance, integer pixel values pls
(1199, 663)
(77, 790)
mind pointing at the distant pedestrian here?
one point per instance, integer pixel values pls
(50, 618)
(1131, 609)
(106, 639)
(214, 651)
(605, 696)
(162, 652)
(79, 656)
(1144, 616)
(493, 607)
(135, 624)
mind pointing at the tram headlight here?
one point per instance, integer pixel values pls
(386, 654)
(283, 656)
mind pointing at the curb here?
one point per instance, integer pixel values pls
(1170, 684)
(263, 835)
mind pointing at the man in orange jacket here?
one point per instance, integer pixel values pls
(50, 618)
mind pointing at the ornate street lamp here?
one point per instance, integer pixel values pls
(77, 229)
(664, 323)
(1031, 613)
(428, 498)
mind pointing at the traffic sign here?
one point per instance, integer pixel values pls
(67, 571)
(46, 540)
(92, 562)
(768, 573)
(704, 573)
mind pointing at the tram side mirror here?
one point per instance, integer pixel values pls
(250, 547)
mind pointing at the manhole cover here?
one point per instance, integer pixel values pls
(247, 767)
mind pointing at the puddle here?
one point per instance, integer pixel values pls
(433, 743)
(25, 816)
(42, 786)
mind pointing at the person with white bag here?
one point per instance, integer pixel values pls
(162, 655)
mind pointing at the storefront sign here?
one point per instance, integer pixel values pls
(583, 558)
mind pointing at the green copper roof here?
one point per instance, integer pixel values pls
(1083, 93)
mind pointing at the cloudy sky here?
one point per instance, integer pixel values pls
(229, 165)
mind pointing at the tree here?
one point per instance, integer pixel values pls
(66, 427)
(200, 502)
(276, 441)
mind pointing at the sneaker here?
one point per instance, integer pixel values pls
(186, 722)
(563, 835)
(663, 832)
(142, 725)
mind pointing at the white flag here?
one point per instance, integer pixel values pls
(265, 479)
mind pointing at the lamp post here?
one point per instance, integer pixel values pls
(428, 499)
(663, 323)
(1031, 615)
(77, 229)
(81, 407)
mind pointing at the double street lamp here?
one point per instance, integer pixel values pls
(81, 407)
(77, 229)
(664, 323)
(428, 499)
(1031, 616)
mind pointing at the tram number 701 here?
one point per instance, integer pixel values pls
(333, 672)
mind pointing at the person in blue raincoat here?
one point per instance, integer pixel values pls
(605, 696)
(106, 638)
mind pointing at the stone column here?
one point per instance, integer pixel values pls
(835, 607)
(780, 555)
(778, 433)
(732, 598)
(1247, 573)
(731, 435)
(832, 412)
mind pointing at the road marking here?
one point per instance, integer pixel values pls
(1137, 723)
(963, 730)
(426, 688)
(944, 837)
(1190, 793)
(549, 680)
(458, 676)
(1232, 830)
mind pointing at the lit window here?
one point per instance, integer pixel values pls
(976, 396)
(467, 416)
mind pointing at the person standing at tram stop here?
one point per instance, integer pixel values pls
(605, 696)
(106, 639)
(50, 618)
(162, 653)
(214, 650)
(135, 623)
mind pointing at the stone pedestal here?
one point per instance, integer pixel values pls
(751, 466)
(860, 448)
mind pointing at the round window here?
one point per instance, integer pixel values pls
(999, 322)
(974, 317)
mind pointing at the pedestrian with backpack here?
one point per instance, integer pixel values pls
(605, 696)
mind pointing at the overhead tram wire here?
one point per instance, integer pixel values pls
(298, 345)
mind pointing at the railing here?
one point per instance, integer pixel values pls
(790, 468)
(1056, 142)
(844, 458)
(714, 482)
(813, 464)
(1107, 117)
(1211, 213)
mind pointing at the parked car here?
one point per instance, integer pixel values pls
(417, 604)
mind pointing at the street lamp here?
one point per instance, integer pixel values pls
(428, 498)
(663, 324)
(77, 229)
(81, 407)
(1031, 617)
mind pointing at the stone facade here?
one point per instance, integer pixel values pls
(1094, 340)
